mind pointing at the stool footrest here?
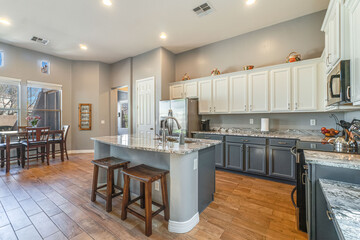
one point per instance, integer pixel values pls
(134, 200)
(162, 207)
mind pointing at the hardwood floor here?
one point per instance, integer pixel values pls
(53, 202)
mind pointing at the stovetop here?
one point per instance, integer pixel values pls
(323, 147)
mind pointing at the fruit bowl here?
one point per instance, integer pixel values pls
(329, 132)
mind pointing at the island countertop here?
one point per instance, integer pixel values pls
(151, 143)
(344, 201)
(333, 159)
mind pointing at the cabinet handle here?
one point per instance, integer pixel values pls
(329, 55)
(296, 106)
(327, 61)
(303, 175)
(348, 92)
(289, 106)
(328, 214)
(245, 107)
(214, 109)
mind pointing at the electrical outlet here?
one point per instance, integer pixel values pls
(157, 185)
(312, 122)
(195, 163)
(251, 121)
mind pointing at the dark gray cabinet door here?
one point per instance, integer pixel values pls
(256, 158)
(219, 155)
(235, 156)
(281, 163)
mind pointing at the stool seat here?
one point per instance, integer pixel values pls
(110, 162)
(145, 173)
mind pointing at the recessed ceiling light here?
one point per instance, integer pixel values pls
(4, 21)
(249, 2)
(163, 35)
(107, 2)
(83, 46)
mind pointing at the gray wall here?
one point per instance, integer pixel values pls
(120, 73)
(349, 116)
(282, 121)
(24, 64)
(167, 72)
(260, 48)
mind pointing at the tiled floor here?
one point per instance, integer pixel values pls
(53, 202)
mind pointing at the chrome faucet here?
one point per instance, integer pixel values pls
(181, 137)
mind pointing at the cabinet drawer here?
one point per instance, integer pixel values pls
(246, 140)
(209, 136)
(282, 142)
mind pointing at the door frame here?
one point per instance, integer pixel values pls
(136, 102)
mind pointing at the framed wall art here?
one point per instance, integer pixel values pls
(84, 116)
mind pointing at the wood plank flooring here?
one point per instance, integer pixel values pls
(53, 202)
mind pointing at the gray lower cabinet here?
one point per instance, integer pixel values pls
(281, 163)
(234, 156)
(255, 159)
(219, 149)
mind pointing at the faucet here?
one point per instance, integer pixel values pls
(163, 137)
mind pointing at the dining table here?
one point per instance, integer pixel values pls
(5, 137)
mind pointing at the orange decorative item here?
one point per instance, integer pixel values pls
(248, 67)
(293, 57)
(215, 72)
(186, 77)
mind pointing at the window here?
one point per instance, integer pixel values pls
(9, 103)
(44, 100)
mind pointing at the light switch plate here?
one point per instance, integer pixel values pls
(251, 121)
(157, 186)
(312, 122)
(195, 163)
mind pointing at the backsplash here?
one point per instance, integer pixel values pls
(278, 121)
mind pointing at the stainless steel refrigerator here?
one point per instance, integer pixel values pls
(185, 111)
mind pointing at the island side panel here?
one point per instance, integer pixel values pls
(184, 213)
(101, 150)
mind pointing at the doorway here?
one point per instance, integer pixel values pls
(123, 110)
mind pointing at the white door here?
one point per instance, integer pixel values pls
(145, 101)
(205, 96)
(177, 91)
(305, 90)
(280, 85)
(220, 95)
(355, 51)
(259, 92)
(238, 94)
(191, 89)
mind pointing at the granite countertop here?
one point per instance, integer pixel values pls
(333, 159)
(153, 144)
(302, 135)
(344, 202)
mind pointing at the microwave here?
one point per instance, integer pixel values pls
(338, 84)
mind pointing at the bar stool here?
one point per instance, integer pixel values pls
(146, 175)
(110, 164)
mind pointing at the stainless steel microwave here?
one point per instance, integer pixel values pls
(338, 84)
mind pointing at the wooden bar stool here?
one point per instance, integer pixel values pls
(110, 164)
(146, 175)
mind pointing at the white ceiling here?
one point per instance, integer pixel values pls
(131, 27)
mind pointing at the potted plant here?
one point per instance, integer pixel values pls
(33, 120)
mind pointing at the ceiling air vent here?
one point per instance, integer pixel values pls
(203, 9)
(40, 40)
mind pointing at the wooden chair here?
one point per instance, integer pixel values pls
(110, 164)
(146, 175)
(59, 138)
(7, 148)
(37, 138)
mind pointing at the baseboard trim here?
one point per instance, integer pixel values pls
(183, 227)
(80, 151)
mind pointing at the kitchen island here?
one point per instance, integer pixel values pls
(191, 178)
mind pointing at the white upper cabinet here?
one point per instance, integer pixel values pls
(220, 95)
(238, 94)
(205, 96)
(177, 91)
(258, 92)
(280, 85)
(331, 27)
(354, 8)
(191, 89)
(305, 88)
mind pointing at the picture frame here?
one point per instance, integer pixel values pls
(84, 116)
(45, 67)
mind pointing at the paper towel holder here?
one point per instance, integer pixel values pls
(265, 125)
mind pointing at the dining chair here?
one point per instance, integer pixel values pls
(37, 138)
(59, 138)
(7, 147)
